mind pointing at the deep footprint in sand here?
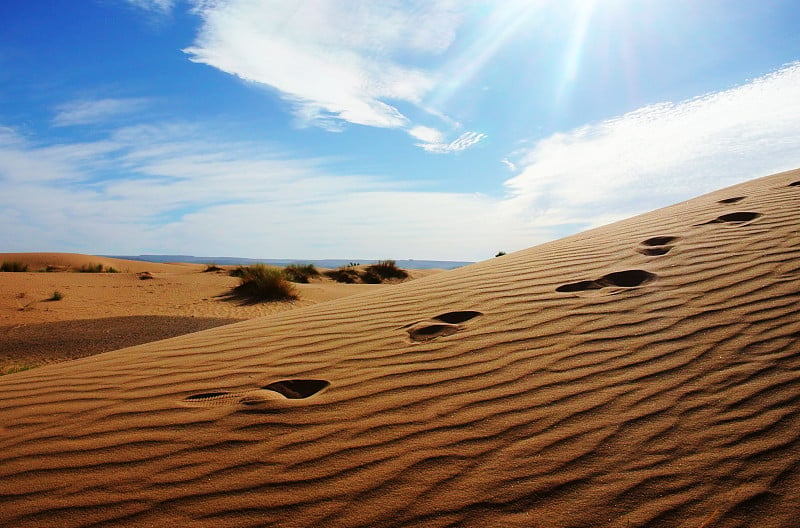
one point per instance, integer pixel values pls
(659, 245)
(290, 389)
(619, 279)
(794, 184)
(446, 324)
(429, 332)
(735, 199)
(739, 218)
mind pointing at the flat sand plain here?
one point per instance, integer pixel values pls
(642, 374)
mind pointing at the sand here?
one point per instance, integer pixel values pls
(100, 312)
(646, 373)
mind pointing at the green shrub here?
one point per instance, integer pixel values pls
(263, 283)
(13, 266)
(300, 272)
(386, 269)
(344, 274)
(91, 268)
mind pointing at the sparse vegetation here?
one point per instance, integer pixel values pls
(387, 269)
(345, 274)
(500, 253)
(211, 268)
(264, 283)
(376, 273)
(57, 296)
(238, 271)
(13, 266)
(301, 273)
(97, 268)
(144, 275)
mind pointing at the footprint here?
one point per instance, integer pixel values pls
(621, 279)
(289, 389)
(579, 286)
(795, 184)
(431, 331)
(657, 245)
(735, 199)
(457, 317)
(446, 324)
(734, 218)
(297, 389)
(627, 278)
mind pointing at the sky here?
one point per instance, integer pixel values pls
(373, 129)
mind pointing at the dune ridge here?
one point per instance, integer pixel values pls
(589, 381)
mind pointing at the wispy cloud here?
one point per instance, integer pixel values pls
(157, 6)
(177, 188)
(336, 62)
(662, 153)
(438, 146)
(93, 111)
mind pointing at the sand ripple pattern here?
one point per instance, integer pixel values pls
(672, 402)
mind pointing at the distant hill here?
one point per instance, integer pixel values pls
(323, 263)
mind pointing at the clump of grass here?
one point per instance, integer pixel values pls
(13, 266)
(344, 274)
(111, 269)
(238, 271)
(145, 275)
(211, 268)
(387, 269)
(300, 272)
(264, 283)
(91, 268)
(57, 296)
(500, 254)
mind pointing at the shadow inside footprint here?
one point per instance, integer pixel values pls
(654, 251)
(627, 278)
(457, 317)
(579, 286)
(735, 199)
(297, 389)
(795, 184)
(734, 218)
(659, 241)
(428, 332)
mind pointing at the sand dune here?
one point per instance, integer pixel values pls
(646, 373)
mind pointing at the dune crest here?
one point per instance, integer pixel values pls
(641, 374)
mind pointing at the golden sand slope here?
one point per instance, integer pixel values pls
(645, 373)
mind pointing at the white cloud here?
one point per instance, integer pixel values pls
(335, 61)
(662, 153)
(92, 111)
(462, 142)
(158, 6)
(175, 188)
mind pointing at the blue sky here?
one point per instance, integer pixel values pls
(430, 129)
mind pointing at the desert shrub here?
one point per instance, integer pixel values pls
(238, 271)
(344, 274)
(300, 272)
(57, 296)
(145, 275)
(112, 269)
(387, 269)
(500, 253)
(13, 266)
(264, 283)
(91, 268)
(211, 268)
(369, 276)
